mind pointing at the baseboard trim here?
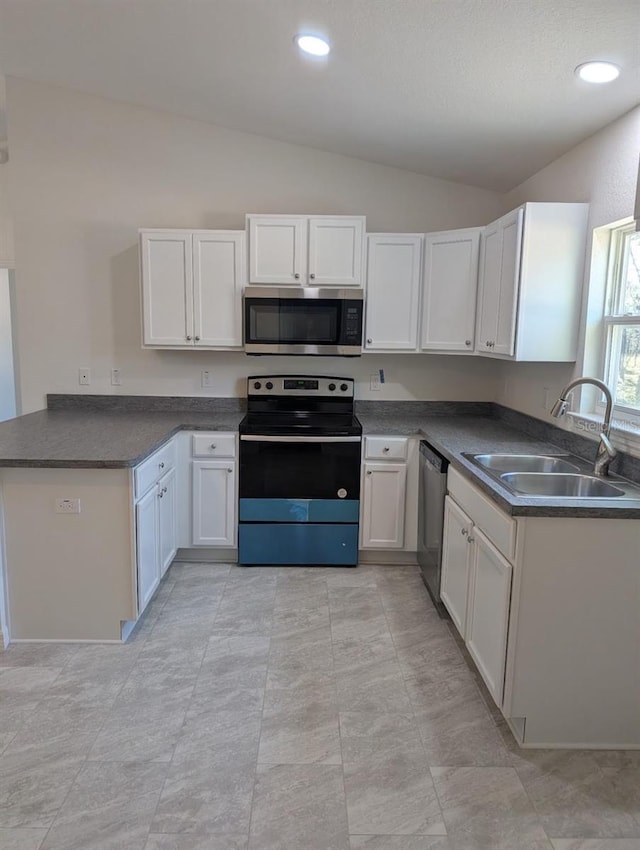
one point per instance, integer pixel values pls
(387, 556)
(206, 555)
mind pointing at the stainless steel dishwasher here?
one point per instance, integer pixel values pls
(431, 492)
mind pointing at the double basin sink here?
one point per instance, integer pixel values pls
(548, 476)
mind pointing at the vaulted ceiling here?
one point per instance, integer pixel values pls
(478, 91)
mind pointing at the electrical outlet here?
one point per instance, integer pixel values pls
(374, 381)
(207, 378)
(84, 377)
(116, 380)
(67, 506)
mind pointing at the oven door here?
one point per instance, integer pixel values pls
(291, 322)
(299, 467)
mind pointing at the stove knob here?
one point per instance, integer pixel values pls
(344, 387)
(332, 387)
(269, 385)
(257, 385)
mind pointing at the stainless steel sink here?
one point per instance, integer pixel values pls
(524, 463)
(561, 484)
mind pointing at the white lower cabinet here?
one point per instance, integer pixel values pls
(383, 497)
(456, 563)
(476, 578)
(488, 612)
(389, 493)
(167, 532)
(213, 488)
(548, 609)
(155, 513)
(147, 547)
(213, 502)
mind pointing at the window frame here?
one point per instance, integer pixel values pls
(624, 418)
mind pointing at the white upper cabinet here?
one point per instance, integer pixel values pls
(191, 288)
(530, 283)
(306, 250)
(167, 291)
(499, 280)
(218, 276)
(335, 251)
(393, 291)
(449, 290)
(277, 249)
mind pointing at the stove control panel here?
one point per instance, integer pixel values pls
(299, 385)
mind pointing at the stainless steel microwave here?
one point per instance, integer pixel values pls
(303, 320)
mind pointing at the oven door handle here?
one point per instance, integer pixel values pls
(256, 438)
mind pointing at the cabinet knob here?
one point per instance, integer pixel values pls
(164, 489)
(312, 276)
(467, 342)
(488, 343)
(297, 276)
(197, 338)
(160, 494)
(213, 445)
(385, 449)
(470, 539)
(368, 472)
(189, 338)
(161, 465)
(463, 532)
(229, 470)
(369, 341)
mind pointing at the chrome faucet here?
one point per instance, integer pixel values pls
(606, 452)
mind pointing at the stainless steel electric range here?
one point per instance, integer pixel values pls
(299, 472)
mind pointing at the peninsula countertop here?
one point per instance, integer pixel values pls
(99, 439)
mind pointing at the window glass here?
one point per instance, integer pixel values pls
(622, 321)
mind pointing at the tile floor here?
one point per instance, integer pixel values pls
(286, 709)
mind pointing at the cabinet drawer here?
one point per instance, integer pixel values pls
(154, 467)
(498, 526)
(385, 448)
(213, 444)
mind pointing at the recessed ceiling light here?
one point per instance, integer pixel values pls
(598, 72)
(313, 44)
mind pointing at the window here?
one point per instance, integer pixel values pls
(622, 320)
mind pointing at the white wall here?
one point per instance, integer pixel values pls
(7, 379)
(603, 170)
(87, 172)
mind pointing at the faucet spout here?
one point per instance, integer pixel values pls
(605, 452)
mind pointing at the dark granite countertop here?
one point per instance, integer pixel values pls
(110, 432)
(454, 435)
(104, 439)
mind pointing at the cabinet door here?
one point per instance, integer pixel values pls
(510, 249)
(167, 288)
(383, 505)
(393, 291)
(449, 290)
(167, 520)
(456, 560)
(488, 287)
(218, 277)
(335, 251)
(148, 560)
(213, 503)
(489, 600)
(277, 249)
